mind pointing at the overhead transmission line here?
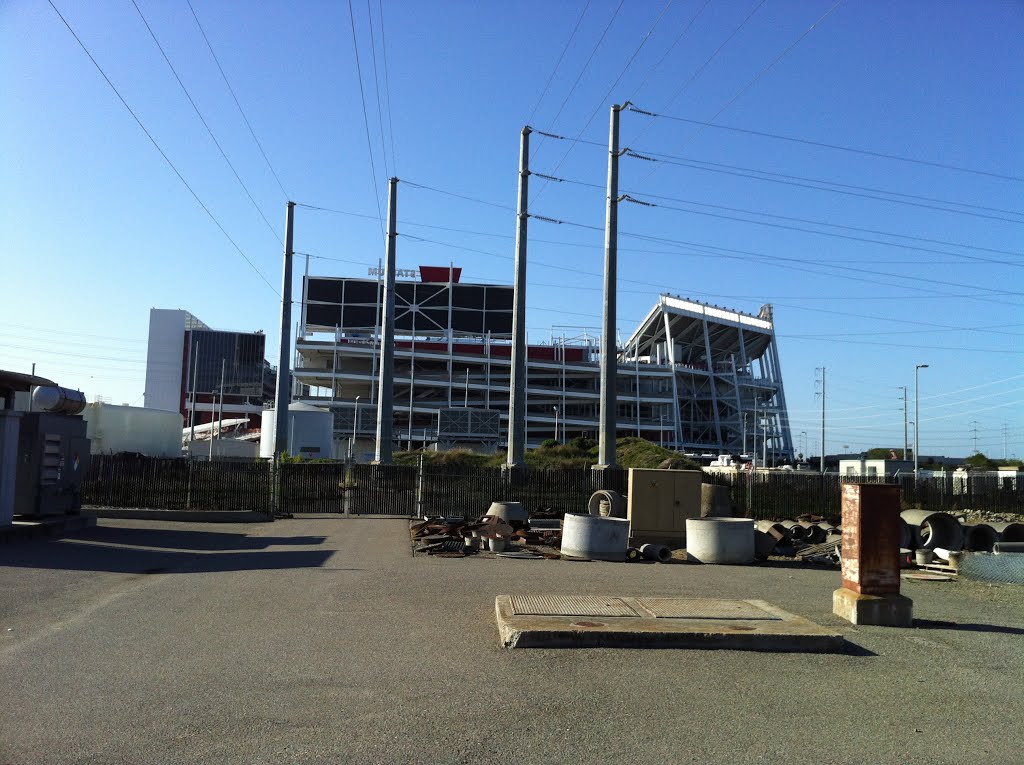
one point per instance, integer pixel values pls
(673, 243)
(732, 253)
(831, 146)
(206, 125)
(799, 181)
(785, 52)
(671, 48)
(601, 103)
(366, 119)
(820, 223)
(241, 111)
(387, 85)
(376, 88)
(163, 154)
(586, 65)
(558, 63)
(682, 88)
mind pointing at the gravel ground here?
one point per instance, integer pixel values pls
(325, 640)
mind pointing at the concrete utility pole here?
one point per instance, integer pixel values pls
(517, 401)
(905, 440)
(822, 459)
(917, 416)
(609, 350)
(283, 397)
(385, 388)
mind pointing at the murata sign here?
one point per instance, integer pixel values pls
(401, 273)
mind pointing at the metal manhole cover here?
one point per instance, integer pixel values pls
(705, 608)
(569, 605)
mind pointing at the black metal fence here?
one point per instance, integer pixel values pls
(124, 480)
(129, 481)
(454, 491)
(772, 496)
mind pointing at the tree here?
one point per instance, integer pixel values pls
(979, 461)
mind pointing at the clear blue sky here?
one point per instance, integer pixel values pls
(98, 229)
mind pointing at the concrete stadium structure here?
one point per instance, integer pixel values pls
(694, 377)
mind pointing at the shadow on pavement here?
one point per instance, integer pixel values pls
(188, 539)
(932, 624)
(113, 550)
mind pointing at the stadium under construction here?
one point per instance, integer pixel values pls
(693, 377)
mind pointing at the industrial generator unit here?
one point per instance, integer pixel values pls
(45, 451)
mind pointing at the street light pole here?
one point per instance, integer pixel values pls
(556, 422)
(917, 417)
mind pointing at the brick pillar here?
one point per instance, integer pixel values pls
(871, 558)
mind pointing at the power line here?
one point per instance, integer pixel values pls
(590, 58)
(376, 88)
(805, 182)
(671, 48)
(558, 63)
(366, 119)
(163, 154)
(809, 183)
(820, 223)
(834, 147)
(748, 255)
(239, 105)
(712, 57)
(387, 85)
(760, 74)
(604, 98)
(206, 125)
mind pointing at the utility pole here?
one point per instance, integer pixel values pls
(385, 390)
(516, 456)
(905, 440)
(220, 409)
(974, 432)
(283, 397)
(754, 459)
(1004, 441)
(917, 417)
(192, 411)
(821, 463)
(609, 350)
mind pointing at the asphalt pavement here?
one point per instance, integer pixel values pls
(326, 641)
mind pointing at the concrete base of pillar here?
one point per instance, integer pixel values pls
(603, 468)
(893, 610)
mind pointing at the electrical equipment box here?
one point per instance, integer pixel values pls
(659, 502)
(53, 458)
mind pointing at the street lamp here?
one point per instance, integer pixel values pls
(355, 427)
(917, 417)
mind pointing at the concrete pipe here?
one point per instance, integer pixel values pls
(796, 532)
(508, 511)
(764, 544)
(715, 501)
(906, 535)
(606, 503)
(815, 532)
(1009, 547)
(659, 553)
(980, 537)
(720, 540)
(1009, 532)
(776, 530)
(595, 538)
(933, 530)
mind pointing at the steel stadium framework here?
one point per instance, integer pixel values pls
(694, 377)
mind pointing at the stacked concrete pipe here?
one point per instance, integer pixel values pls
(815, 532)
(720, 540)
(932, 530)
(980, 537)
(1009, 532)
(797, 532)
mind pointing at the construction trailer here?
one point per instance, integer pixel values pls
(693, 377)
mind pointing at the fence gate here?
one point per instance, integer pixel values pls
(312, 487)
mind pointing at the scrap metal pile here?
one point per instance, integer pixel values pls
(494, 532)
